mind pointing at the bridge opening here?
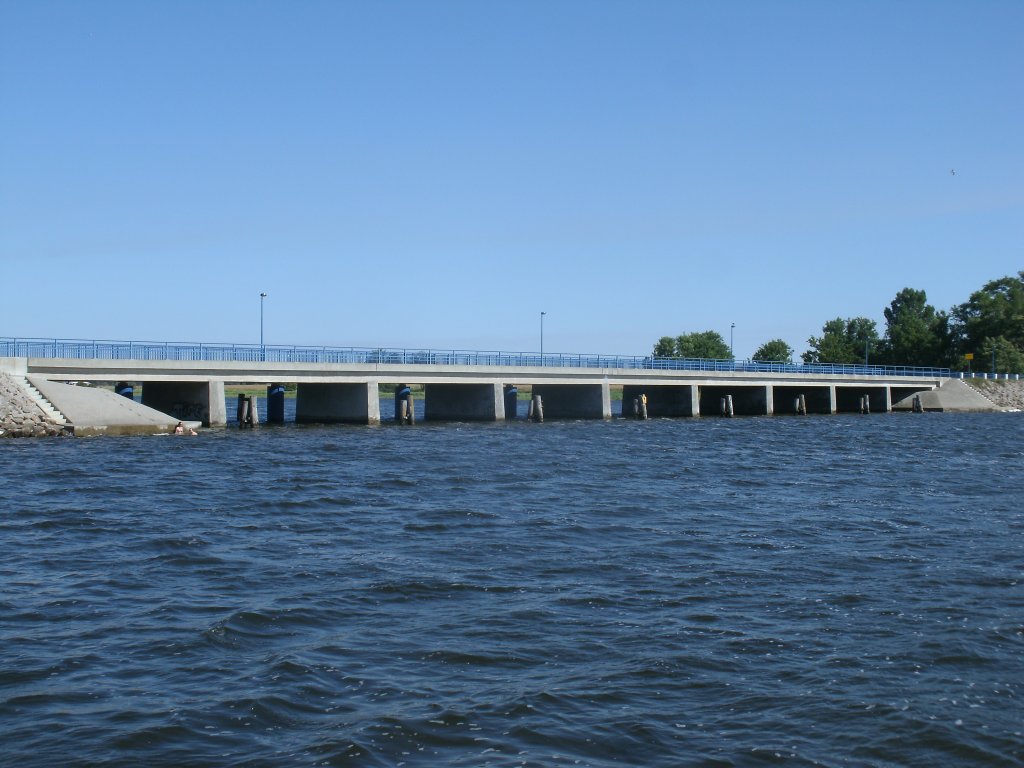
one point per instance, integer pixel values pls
(746, 400)
(817, 399)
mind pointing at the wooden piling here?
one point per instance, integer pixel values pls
(728, 406)
(643, 406)
(538, 409)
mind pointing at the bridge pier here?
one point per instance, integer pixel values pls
(464, 402)
(349, 403)
(575, 401)
(188, 400)
(849, 397)
(663, 400)
(747, 400)
(818, 399)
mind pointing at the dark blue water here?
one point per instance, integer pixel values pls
(839, 591)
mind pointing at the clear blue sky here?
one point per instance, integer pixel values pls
(436, 174)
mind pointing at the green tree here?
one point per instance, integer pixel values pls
(1008, 358)
(915, 332)
(706, 344)
(773, 351)
(842, 341)
(666, 347)
(997, 310)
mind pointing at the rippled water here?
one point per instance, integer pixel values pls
(806, 591)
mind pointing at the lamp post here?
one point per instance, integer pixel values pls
(732, 328)
(262, 352)
(542, 337)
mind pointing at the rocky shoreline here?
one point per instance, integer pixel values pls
(1007, 394)
(19, 416)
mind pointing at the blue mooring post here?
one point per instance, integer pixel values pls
(275, 404)
(511, 402)
(403, 405)
(125, 390)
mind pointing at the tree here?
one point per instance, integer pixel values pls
(708, 345)
(666, 347)
(773, 351)
(997, 310)
(842, 341)
(1008, 358)
(915, 332)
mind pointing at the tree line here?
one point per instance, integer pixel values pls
(985, 333)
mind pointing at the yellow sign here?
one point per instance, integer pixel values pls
(969, 356)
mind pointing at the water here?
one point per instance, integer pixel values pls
(839, 591)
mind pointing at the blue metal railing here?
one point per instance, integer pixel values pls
(253, 353)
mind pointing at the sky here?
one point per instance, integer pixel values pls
(438, 174)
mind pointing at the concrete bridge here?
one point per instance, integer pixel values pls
(342, 385)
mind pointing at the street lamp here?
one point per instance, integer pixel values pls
(731, 329)
(542, 337)
(262, 297)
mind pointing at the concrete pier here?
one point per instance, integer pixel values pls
(849, 398)
(817, 399)
(201, 401)
(575, 401)
(746, 400)
(663, 400)
(464, 402)
(355, 403)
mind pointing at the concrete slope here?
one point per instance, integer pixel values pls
(953, 397)
(94, 411)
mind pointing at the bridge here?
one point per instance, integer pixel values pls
(341, 384)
